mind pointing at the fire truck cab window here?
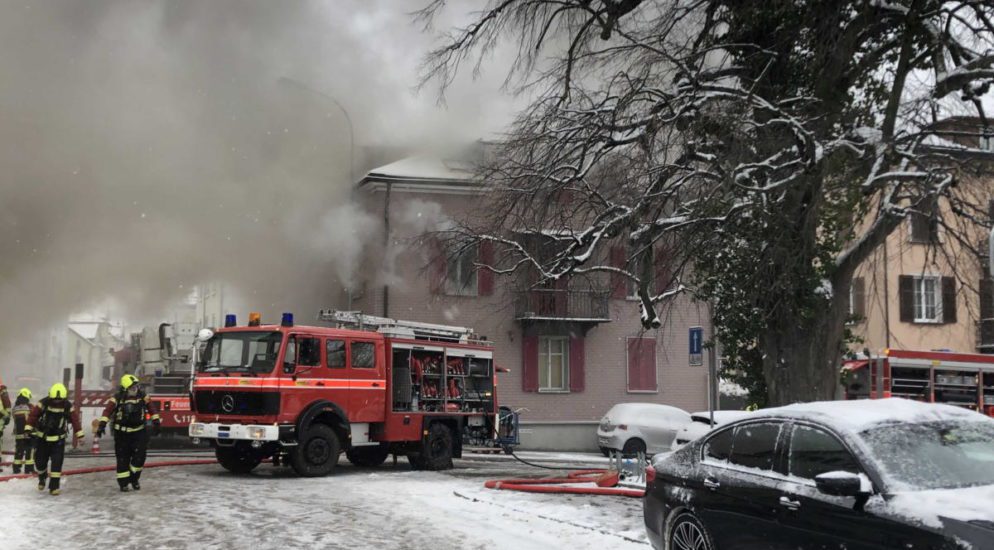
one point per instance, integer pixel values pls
(362, 355)
(309, 354)
(241, 351)
(336, 354)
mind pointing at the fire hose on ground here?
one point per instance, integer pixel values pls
(112, 468)
(605, 481)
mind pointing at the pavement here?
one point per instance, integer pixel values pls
(387, 507)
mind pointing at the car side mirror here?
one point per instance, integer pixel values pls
(289, 367)
(840, 484)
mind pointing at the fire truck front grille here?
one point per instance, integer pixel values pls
(237, 402)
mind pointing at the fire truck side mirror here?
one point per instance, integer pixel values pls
(289, 367)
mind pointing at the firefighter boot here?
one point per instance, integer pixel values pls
(134, 480)
(53, 484)
(42, 478)
(17, 468)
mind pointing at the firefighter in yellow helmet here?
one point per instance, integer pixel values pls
(23, 454)
(127, 412)
(48, 421)
(4, 414)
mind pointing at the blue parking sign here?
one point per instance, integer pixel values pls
(696, 346)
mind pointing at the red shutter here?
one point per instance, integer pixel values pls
(529, 363)
(436, 267)
(485, 277)
(642, 364)
(576, 364)
(619, 284)
(663, 270)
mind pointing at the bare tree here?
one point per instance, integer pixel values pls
(765, 150)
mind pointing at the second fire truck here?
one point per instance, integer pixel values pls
(370, 387)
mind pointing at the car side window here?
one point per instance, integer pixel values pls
(814, 452)
(719, 447)
(362, 355)
(754, 445)
(336, 354)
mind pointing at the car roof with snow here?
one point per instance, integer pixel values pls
(859, 415)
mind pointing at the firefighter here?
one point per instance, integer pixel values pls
(126, 412)
(4, 415)
(23, 452)
(48, 422)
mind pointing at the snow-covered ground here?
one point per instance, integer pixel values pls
(387, 507)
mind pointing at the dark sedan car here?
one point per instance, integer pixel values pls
(848, 475)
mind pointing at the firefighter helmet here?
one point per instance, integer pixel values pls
(58, 391)
(25, 393)
(128, 380)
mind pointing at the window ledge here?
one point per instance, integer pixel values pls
(643, 391)
(926, 322)
(553, 391)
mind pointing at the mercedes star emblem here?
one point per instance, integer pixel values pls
(228, 403)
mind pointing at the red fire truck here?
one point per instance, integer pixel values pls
(962, 379)
(370, 386)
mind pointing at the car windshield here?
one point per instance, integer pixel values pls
(254, 352)
(934, 455)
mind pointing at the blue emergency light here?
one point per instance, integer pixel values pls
(287, 320)
(229, 320)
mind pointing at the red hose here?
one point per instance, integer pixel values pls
(99, 469)
(606, 481)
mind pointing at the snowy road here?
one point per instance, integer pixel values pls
(388, 507)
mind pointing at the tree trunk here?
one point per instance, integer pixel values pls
(803, 356)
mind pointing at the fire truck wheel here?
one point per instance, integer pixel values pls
(368, 457)
(316, 453)
(437, 451)
(237, 459)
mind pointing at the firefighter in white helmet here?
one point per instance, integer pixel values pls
(127, 412)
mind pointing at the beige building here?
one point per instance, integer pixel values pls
(923, 289)
(572, 350)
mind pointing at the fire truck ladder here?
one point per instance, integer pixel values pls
(397, 328)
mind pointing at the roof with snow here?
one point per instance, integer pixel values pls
(859, 415)
(424, 168)
(86, 331)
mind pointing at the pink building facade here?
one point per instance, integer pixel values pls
(572, 351)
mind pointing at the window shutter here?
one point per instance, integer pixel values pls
(664, 271)
(529, 363)
(485, 277)
(576, 364)
(437, 267)
(619, 283)
(948, 300)
(642, 364)
(906, 297)
(986, 298)
(859, 297)
(919, 228)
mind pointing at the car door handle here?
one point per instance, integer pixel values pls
(376, 384)
(711, 483)
(790, 504)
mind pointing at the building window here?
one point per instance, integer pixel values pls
(924, 228)
(987, 139)
(553, 363)
(857, 300)
(460, 273)
(928, 299)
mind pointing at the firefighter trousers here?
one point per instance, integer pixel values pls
(23, 455)
(129, 447)
(54, 451)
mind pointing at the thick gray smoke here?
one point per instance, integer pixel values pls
(146, 147)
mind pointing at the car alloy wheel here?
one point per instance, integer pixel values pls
(688, 534)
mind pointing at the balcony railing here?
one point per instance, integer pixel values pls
(562, 305)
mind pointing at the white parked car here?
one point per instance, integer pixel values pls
(640, 427)
(700, 424)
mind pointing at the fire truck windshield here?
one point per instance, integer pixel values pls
(253, 352)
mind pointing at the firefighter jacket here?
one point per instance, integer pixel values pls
(21, 411)
(128, 413)
(50, 418)
(4, 404)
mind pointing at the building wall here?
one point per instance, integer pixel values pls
(411, 297)
(882, 326)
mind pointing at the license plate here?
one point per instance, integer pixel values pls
(222, 435)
